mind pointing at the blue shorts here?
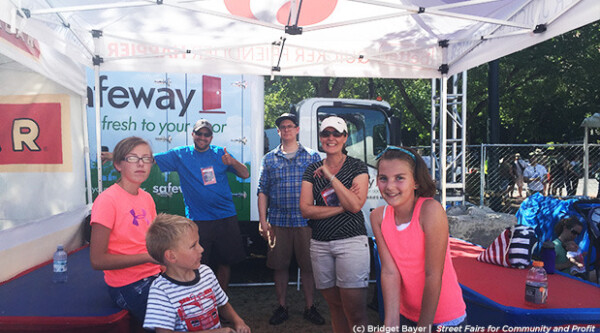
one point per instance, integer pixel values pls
(133, 297)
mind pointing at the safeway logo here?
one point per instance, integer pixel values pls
(311, 12)
(121, 97)
(36, 140)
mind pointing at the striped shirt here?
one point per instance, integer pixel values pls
(343, 225)
(185, 306)
(280, 180)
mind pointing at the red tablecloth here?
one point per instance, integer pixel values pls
(492, 288)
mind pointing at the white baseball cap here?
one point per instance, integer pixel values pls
(336, 122)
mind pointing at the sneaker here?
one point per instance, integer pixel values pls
(279, 316)
(313, 316)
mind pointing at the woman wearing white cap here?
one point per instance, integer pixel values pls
(333, 193)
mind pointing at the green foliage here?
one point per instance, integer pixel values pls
(545, 92)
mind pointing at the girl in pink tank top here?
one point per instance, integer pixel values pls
(418, 279)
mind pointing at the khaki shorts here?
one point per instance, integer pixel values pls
(290, 241)
(344, 263)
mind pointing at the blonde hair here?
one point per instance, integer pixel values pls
(165, 232)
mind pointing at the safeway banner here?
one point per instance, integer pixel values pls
(37, 132)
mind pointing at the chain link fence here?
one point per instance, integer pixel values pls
(494, 173)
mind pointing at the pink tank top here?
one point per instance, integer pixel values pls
(407, 247)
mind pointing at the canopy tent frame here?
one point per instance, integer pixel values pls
(450, 52)
(440, 10)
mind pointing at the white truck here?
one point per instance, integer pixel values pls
(162, 108)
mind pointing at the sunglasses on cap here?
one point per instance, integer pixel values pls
(204, 134)
(326, 134)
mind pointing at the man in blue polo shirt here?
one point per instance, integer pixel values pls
(286, 230)
(202, 170)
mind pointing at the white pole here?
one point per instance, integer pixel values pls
(98, 129)
(86, 153)
(443, 129)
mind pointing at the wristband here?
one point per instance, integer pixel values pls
(331, 179)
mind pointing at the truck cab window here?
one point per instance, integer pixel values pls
(368, 130)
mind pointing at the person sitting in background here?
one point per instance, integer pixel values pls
(186, 296)
(567, 229)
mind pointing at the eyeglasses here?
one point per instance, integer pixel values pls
(396, 148)
(288, 127)
(135, 159)
(204, 134)
(326, 134)
(575, 232)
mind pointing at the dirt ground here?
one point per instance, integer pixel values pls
(256, 304)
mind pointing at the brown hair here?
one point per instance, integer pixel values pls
(125, 146)
(566, 222)
(165, 232)
(421, 174)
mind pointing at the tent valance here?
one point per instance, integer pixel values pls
(344, 38)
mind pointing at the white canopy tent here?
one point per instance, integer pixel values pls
(436, 39)
(344, 38)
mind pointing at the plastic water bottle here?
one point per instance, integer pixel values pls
(60, 265)
(536, 286)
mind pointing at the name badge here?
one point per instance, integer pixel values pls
(208, 176)
(330, 197)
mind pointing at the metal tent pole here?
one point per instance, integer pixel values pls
(98, 128)
(443, 130)
(586, 161)
(86, 153)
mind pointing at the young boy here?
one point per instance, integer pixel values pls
(187, 295)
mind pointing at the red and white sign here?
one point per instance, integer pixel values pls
(211, 92)
(38, 131)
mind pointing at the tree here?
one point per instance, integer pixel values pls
(545, 90)
(545, 93)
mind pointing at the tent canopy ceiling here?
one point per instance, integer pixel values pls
(345, 38)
